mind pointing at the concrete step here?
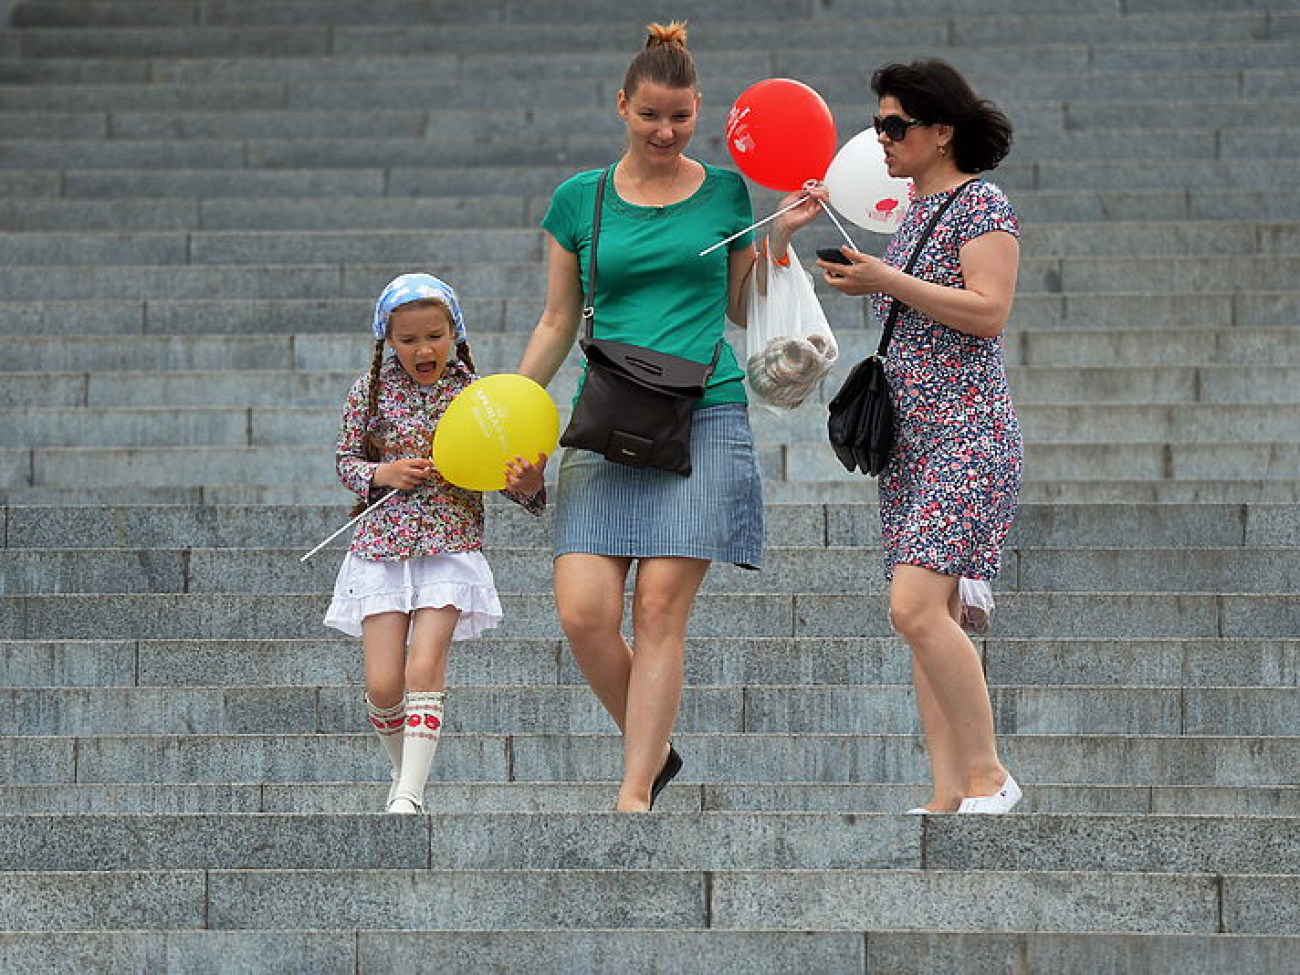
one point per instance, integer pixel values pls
(1199, 180)
(770, 709)
(1179, 274)
(735, 615)
(211, 372)
(162, 427)
(72, 142)
(325, 660)
(1121, 845)
(1245, 320)
(645, 951)
(1059, 491)
(764, 29)
(450, 798)
(340, 356)
(26, 212)
(243, 468)
(46, 114)
(528, 570)
(849, 900)
(1038, 525)
(1102, 759)
(1097, 140)
(1185, 240)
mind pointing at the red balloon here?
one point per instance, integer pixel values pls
(781, 134)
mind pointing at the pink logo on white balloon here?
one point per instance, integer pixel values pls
(884, 209)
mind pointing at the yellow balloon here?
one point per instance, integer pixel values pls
(492, 421)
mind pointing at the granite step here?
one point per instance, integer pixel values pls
(64, 468)
(329, 659)
(1185, 240)
(1080, 759)
(53, 214)
(1120, 846)
(636, 951)
(776, 900)
(1237, 320)
(501, 709)
(57, 427)
(474, 798)
(1135, 614)
(1037, 525)
(848, 569)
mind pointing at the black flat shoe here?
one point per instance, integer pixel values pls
(672, 765)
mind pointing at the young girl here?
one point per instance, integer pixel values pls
(414, 577)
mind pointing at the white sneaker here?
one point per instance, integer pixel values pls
(1003, 802)
(405, 805)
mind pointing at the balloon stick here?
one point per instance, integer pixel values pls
(840, 227)
(752, 226)
(348, 525)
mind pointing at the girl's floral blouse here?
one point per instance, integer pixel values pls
(436, 517)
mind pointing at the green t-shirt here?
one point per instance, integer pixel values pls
(653, 288)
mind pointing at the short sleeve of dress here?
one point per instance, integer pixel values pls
(984, 209)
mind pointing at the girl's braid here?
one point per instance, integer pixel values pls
(462, 353)
(371, 448)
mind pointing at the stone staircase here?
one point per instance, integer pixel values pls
(198, 203)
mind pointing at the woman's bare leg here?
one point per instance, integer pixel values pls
(952, 694)
(661, 608)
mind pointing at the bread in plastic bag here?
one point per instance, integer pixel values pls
(789, 345)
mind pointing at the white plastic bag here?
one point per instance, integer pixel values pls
(789, 347)
(976, 605)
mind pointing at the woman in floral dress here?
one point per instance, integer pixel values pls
(949, 492)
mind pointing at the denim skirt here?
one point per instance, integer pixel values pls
(716, 514)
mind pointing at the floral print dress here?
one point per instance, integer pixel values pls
(436, 517)
(949, 492)
(423, 547)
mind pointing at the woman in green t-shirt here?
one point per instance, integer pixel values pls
(660, 210)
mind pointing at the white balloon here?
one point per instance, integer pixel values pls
(862, 189)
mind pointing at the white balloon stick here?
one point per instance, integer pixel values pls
(348, 525)
(753, 226)
(838, 226)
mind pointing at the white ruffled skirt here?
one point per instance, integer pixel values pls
(461, 579)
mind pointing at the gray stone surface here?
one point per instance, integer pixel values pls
(941, 900)
(463, 900)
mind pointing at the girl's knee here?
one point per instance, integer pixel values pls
(385, 693)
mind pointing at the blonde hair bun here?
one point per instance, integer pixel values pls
(674, 32)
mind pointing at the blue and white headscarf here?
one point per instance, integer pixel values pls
(406, 288)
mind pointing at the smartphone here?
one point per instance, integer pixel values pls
(833, 255)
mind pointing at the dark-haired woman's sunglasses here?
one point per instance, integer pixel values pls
(894, 126)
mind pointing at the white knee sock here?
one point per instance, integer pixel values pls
(389, 724)
(419, 742)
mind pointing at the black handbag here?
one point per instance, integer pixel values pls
(636, 404)
(861, 421)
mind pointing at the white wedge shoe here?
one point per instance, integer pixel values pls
(1003, 802)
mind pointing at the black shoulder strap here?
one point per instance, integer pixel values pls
(896, 305)
(589, 299)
